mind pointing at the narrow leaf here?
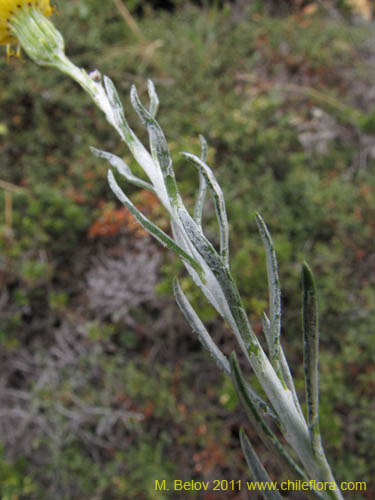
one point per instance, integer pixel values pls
(122, 168)
(219, 202)
(273, 290)
(266, 325)
(118, 110)
(204, 148)
(311, 353)
(198, 209)
(285, 370)
(258, 472)
(154, 100)
(159, 148)
(157, 233)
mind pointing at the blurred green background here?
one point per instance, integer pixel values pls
(103, 388)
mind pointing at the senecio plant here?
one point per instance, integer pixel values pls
(25, 24)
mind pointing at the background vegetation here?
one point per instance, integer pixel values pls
(103, 389)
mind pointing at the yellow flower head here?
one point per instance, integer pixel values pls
(10, 8)
(26, 23)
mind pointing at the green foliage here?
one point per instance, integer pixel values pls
(15, 483)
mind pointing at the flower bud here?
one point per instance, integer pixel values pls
(38, 37)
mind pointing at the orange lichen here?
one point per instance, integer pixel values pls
(112, 221)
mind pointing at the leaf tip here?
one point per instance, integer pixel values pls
(175, 286)
(110, 176)
(307, 277)
(258, 218)
(243, 435)
(95, 151)
(150, 86)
